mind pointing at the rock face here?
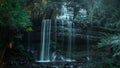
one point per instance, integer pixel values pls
(80, 37)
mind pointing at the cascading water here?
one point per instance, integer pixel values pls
(83, 15)
(65, 18)
(45, 41)
(62, 30)
(55, 33)
(69, 39)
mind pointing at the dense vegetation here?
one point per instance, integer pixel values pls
(14, 20)
(102, 19)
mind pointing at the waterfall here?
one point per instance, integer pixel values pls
(66, 18)
(45, 40)
(62, 28)
(88, 44)
(69, 39)
(55, 33)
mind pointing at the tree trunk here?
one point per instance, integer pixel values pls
(5, 41)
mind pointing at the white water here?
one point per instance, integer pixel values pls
(66, 17)
(69, 39)
(83, 13)
(45, 41)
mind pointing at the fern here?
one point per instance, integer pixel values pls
(112, 42)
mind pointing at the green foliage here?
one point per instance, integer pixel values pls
(113, 42)
(14, 18)
(13, 15)
(116, 25)
(81, 20)
(20, 47)
(107, 63)
(101, 13)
